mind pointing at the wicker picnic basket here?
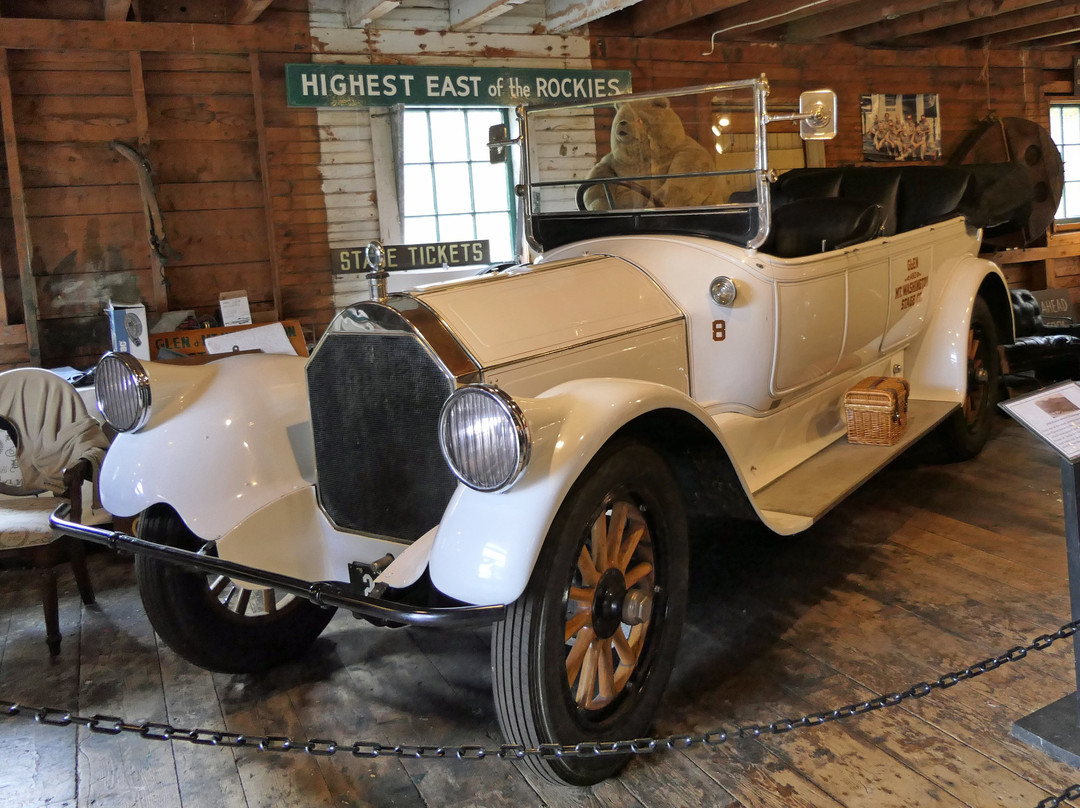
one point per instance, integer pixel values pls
(876, 410)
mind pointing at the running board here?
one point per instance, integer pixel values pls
(795, 501)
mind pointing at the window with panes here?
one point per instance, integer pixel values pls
(451, 190)
(1065, 132)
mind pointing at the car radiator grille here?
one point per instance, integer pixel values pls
(375, 401)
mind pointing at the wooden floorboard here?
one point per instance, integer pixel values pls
(926, 569)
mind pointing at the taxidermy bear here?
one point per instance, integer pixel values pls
(647, 139)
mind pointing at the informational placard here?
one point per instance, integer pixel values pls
(1053, 414)
(338, 85)
(414, 256)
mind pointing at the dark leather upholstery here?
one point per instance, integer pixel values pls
(809, 226)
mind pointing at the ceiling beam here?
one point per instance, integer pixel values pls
(1033, 33)
(249, 11)
(361, 13)
(751, 17)
(824, 25)
(655, 15)
(566, 15)
(468, 14)
(940, 16)
(1062, 41)
(116, 9)
(1036, 12)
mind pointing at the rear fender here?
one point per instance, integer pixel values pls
(487, 544)
(224, 440)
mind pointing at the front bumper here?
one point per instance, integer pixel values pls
(323, 593)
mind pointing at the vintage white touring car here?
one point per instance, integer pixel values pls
(530, 448)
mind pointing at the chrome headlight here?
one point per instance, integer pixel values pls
(484, 437)
(123, 391)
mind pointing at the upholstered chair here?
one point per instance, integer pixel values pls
(58, 447)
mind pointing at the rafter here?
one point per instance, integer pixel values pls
(1063, 41)
(34, 34)
(249, 11)
(566, 15)
(361, 13)
(652, 17)
(1036, 12)
(750, 17)
(931, 19)
(824, 25)
(468, 14)
(1033, 33)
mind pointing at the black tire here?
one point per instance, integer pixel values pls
(966, 431)
(210, 620)
(537, 676)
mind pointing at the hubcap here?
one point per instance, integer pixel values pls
(609, 606)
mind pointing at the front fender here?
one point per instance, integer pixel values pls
(224, 440)
(487, 544)
(940, 370)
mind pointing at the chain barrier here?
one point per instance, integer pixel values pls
(324, 747)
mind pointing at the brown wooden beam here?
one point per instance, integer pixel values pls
(23, 242)
(1036, 12)
(931, 19)
(824, 25)
(750, 17)
(29, 34)
(1033, 33)
(264, 164)
(653, 16)
(1054, 42)
(116, 9)
(249, 11)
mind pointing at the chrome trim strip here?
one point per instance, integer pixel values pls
(323, 593)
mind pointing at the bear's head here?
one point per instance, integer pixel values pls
(644, 130)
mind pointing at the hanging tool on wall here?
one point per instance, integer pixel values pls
(159, 243)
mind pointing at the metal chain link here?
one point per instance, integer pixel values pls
(324, 747)
(1071, 793)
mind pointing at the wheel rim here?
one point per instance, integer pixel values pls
(246, 602)
(978, 377)
(609, 607)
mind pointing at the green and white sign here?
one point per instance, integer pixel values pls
(335, 85)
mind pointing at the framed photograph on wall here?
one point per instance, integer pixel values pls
(901, 126)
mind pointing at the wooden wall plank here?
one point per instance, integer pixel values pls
(212, 161)
(92, 243)
(74, 118)
(197, 118)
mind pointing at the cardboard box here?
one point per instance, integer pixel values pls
(234, 308)
(127, 325)
(191, 342)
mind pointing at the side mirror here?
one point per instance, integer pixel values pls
(498, 140)
(819, 107)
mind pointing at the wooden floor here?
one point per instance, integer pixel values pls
(927, 569)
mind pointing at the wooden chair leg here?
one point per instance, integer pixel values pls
(50, 603)
(77, 554)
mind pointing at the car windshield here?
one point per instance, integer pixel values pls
(683, 150)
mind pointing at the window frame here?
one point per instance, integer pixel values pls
(509, 167)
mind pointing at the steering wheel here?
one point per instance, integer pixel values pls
(636, 187)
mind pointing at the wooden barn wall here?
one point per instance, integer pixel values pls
(416, 34)
(229, 163)
(969, 83)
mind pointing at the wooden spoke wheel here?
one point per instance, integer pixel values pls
(214, 621)
(585, 653)
(609, 606)
(965, 433)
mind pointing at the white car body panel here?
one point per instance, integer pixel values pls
(224, 440)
